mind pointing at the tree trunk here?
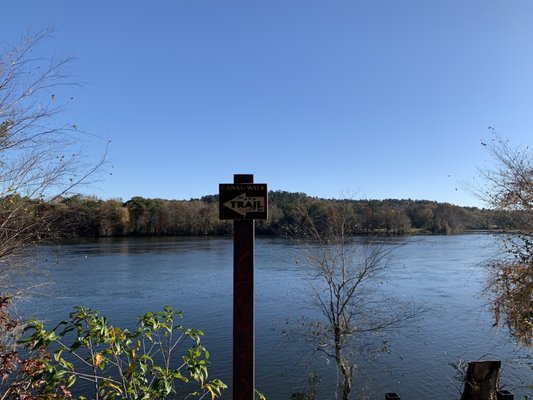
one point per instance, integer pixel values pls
(482, 380)
(343, 367)
(346, 380)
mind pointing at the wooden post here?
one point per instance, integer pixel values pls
(243, 305)
(482, 380)
(243, 201)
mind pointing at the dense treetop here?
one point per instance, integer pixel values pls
(82, 216)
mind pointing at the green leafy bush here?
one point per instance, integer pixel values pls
(118, 363)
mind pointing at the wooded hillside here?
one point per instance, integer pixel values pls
(80, 216)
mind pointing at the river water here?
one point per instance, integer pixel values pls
(124, 278)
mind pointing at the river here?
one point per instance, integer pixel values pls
(124, 278)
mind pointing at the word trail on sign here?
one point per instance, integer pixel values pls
(243, 201)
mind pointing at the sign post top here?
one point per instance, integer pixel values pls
(243, 200)
(243, 178)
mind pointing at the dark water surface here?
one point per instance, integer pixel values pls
(123, 278)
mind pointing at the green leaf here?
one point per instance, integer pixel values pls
(70, 381)
(57, 354)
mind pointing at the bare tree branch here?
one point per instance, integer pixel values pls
(508, 187)
(41, 159)
(342, 270)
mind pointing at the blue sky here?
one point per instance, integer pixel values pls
(370, 99)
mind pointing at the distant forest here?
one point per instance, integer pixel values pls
(81, 216)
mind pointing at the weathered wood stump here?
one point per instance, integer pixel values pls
(482, 380)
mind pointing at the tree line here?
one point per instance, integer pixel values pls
(87, 216)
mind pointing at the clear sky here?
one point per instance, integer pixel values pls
(376, 98)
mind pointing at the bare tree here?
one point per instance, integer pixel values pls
(508, 187)
(41, 159)
(344, 275)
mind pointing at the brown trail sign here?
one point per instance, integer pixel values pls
(243, 201)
